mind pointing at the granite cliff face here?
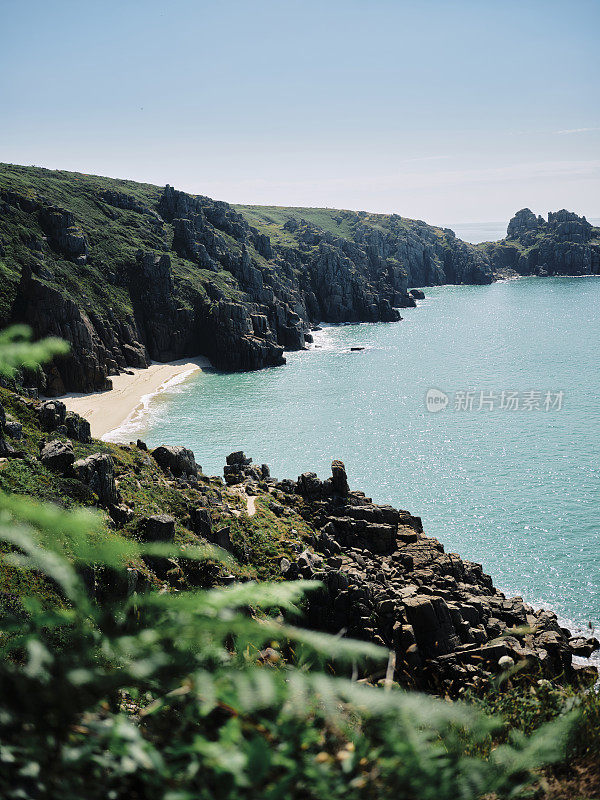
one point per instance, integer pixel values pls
(565, 244)
(129, 272)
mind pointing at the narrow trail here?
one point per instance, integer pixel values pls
(250, 503)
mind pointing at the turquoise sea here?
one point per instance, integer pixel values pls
(517, 489)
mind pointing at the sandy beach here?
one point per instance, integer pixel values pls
(106, 411)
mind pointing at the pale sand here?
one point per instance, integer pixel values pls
(107, 411)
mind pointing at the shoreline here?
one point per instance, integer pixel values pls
(128, 399)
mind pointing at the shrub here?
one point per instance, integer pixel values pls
(182, 695)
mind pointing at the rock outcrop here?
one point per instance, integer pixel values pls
(240, 469)
(58, 456)
(176, 460)
(97, 472)
(565, 244)
(386, 581)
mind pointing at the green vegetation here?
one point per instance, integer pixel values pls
(114, 237)
(190, 693)
(271, 220)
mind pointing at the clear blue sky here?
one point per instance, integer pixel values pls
(446, 111)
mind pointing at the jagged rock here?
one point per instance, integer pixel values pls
(387, 582)
(560, 246)
(7, 450)
(201, 522)
(97, 472)
(51, 313)
(52, 414)
(157, 528)
(239, 458)
(177, 460)
(166, 329)
(240, 469)
(64, 235)
(417, 294)
(127, 202)
(13, 429)
(339, 478)
(221, 538)
(58, 456)
(78, 428)
(309, 485)
(121, 514)
(523, 223)
(583, 647)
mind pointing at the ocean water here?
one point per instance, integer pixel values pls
(476, 232)
(516, 489)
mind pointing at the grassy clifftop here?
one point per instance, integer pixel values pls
(337, 222)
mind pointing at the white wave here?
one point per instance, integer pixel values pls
(137, 420)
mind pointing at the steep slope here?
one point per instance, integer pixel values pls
(130, 272)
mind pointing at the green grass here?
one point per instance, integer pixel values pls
(259, 542)
(339, 222)
(114, 236)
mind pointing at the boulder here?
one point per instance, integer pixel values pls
(120, 514)
(78, 428)
(238, 458)
(178, 460)
(58, 456)
(157, 528)
(582, 646)
(52, 414)
(97, 472)
(13, 429)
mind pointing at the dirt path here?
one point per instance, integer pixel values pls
(250, 502)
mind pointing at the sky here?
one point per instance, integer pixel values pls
(448, 111)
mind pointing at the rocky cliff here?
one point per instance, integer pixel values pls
(564, 244)
(129, 272)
